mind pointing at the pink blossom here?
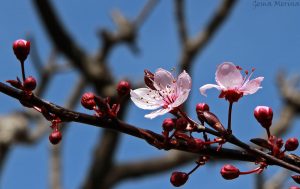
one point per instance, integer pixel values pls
(232, 84)
(167, 93)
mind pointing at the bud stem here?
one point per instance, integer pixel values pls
(194, 169)
(23, 70)
(229, 118)
(257, 169)
(268, 132)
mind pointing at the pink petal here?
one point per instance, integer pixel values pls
(228, 76)
(184, 81)
(208, 86)
(181, 98)
(252, 86)
(157, 113)
(162, 79)
(145, 98)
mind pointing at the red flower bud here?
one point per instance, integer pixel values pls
(291, 144)
(279, 142)
(88, 100)
(197, 144)
(179, 178)
(264, 116)
(212, 120)
(296, 178)
(230, 172)
(168, 124)
(21, 49)
(55, 137)
(29, 84)
(294, 187)
(202, 107)
(181, 124)
(123, 88)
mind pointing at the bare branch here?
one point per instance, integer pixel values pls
(55, 167)
(148, 8)
(181, 23)
(195, 46)
(147, 167)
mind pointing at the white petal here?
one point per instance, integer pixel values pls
(162, 79)
(145, 98)
(181, 98)
(157, 113)
(228, 76)
(208, 86)
(184, 81)
(251, 86)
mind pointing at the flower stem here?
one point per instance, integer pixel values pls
(23, 70)
(251, 171)
(194, 169)
(229, 118)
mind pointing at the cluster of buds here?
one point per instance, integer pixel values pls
(102, 106)
(21, 49)
(264, 116)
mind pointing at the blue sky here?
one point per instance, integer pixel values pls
(264, 37)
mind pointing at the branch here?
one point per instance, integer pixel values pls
(147, 167)
(181, 23)
(195, 46)
(152, 138)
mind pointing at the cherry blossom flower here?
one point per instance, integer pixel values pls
(167, 93)
(232, 84)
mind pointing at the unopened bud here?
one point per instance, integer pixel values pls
(294, 187)
(181, 124)
(88, 100)
(123, 88)
(21, 49)
(168, 124)
(202, 107)
(212, 120)
(179, 178)
(29, 83)
(230, 172)
(291, 144)
(55, 137)
(264, 116)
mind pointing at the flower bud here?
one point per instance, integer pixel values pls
(264, 116)
(179, 178)
(123, 88)
(291, 144)
(230, 172)
(148, 79)
(279, 142)
(21, 49)
(296, 178)
(181, 124)
(55, 137)
(88, 100)
(29, 84)
(294, 187)
(197, 144)
(202, 107)
(212, 120)
(168, 124)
